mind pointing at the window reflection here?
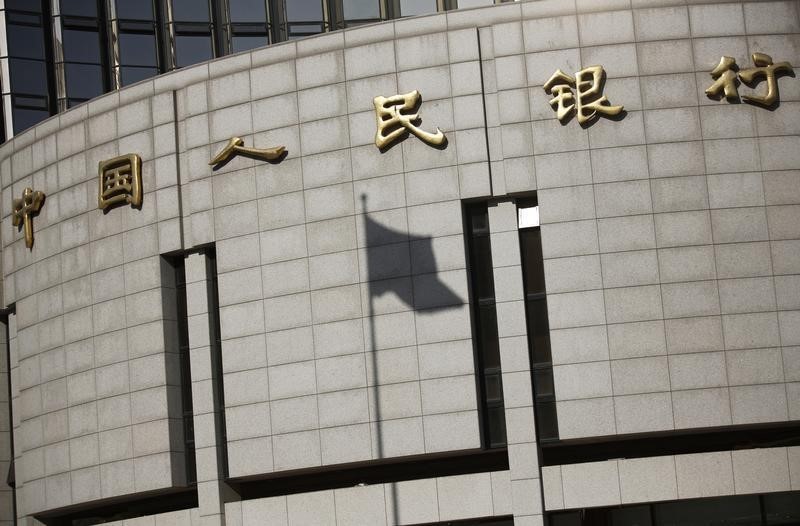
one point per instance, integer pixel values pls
(361, 9)
(247, 10)
(78, 7)
(138, 47)
(249, 27)
(417, 7)
(193, 32)
(190, 11)
(191, 49)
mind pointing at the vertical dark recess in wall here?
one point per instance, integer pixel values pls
(484, 326)
(178, 264)
(530, 240)
(218, 391)
(11, 475)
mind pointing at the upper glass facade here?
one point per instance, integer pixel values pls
(58, 53)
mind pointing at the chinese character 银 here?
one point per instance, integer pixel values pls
(236, 147)
(587, 102)
(397, 115)
(120, 181)
(23, 211)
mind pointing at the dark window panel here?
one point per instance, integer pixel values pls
(417, 7)
(248, 10)
(30, 103)
(191, 49)
(84, 81)
(532, 256)
(633, 516)
(304, 11)
(25, 41)
(24, 5)
(361, 9)
(134, 9)
(782, 508)
(28, 76)
(25, 118)
(572, 518)
(497, 426)
(138, 49)
(489, 341)
(538, 331)
(493, 385)
(243, 43)
(482, 258)
(543, 383)
(301, 30)
(81, 46)
(132, 74)
(547, 420)
(727, 511)
(190, 10)
(80, 7)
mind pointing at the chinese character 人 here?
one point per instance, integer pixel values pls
(397, 115)
(236, 147)
(23, 211)
(587, 102)
(120, 181)
(725, 80)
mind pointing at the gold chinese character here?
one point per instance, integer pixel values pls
(589, 100)
(725, 79)
(764, 69)
(23, 211)
(120, 181)
(397, 115)
(236, 147)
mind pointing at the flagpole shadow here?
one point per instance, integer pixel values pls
(438, 294)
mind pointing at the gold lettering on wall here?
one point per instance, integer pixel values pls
(588, 100)
(726, 81)
(397, 116)
(236, 147)
(120, 181)
(24, 209)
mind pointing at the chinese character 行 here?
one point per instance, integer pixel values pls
(589, 99)
(396, 116)
(236, 147)
(725, 80)
(120, 181)
(23, 211)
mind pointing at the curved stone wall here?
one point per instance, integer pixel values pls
(671, 238)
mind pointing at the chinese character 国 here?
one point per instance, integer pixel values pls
(397, 115)
(120, 181)
(236, 147)
(23, 211)
(587, 102)
(725, 79)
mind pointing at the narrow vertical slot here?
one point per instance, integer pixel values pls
(485, 337)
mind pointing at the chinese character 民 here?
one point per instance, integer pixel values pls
(120, 181)
(23, 211)
(396, 116)
(725, 80)
(589, 99)
(236, 147)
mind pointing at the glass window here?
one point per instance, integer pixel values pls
(243, 43)
(191, 49)
(304, 11)
(190, 11)
(132, 74)
(417, 7)
(23, 5)
(137, 49)
(134, 10)
(462, 4)
(361, 9)
(632, 516)
(84, 81)
(248, 10)
(538, 330)
(81, 46)
(28, 76)
(547, 421)
(25, 41)
(533, 268)
(572, 518)
(782, 508)
(726, 511)
(25, 118)
(79, 7)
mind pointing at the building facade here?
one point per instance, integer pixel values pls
(532, 263)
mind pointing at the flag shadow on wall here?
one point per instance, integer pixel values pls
(389, 271)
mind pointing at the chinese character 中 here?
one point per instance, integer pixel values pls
(23, 211)
(120, 181)
(588, 100)
(396, 116)
(725, 80)
(236, 147)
